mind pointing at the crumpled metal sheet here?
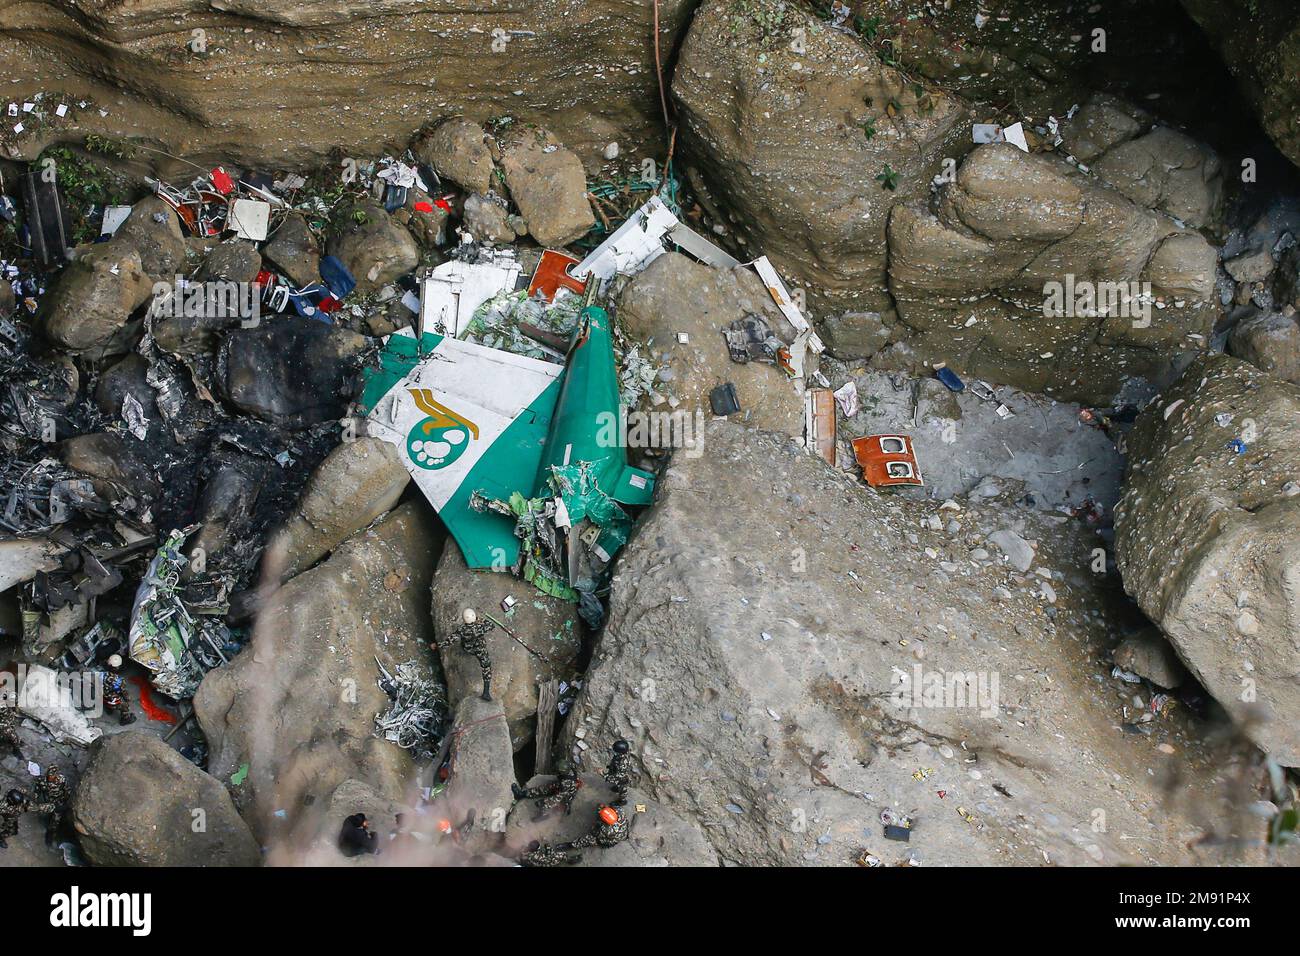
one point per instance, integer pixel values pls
(595, 527)
(137, 423)
(453, 291)
(176, 646)
(50, 701)
(44, 494)
(418, 712)
(636, 378)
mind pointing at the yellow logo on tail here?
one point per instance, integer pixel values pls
(440, 416)
(440, 439)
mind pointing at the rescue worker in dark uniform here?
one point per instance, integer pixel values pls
(15, 805)
(618, 773)
(356, 838)
(541, 854)
(471, 635)
(612, 829)
(115, 696)
(51, 798)
(9, 720)
(561, 790)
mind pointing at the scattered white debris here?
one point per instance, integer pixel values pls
(1015, 135)
(846, 396)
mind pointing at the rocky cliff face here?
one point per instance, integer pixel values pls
(1208, 538)
(1026, 271)
(1259, 41)
(768, 625)
(286, 82)
(843, 151)
(861, 182)
(791, 124)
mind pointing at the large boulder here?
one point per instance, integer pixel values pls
(1149, 655)
(487, 221)
(194, 336)
(1027, 272)
(95, 296)
(123, 378)
(356, 483)
(375, 249)
(236, 260)
(119, 465)
(549, 626)
(294, 250)
(1270, 341)
(676, 295)
(424, 218)
(1101, 123)
(293, 716)
(190, 326)
(1169, 171)
(225, 512)
(788, 124)
(767, 628)
(457, 150)
(547, 183)
(154, 231)
(482, 770)
(1207, 538)
(855, 335)
(140, 803)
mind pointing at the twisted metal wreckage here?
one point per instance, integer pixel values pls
(507, 447)
(497, 402)
(176, 639)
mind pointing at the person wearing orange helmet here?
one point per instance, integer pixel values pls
(611, 829)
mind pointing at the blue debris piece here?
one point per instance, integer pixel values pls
(950, 379)
(336, 276)
(305, 303)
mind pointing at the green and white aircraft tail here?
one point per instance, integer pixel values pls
(514, 453)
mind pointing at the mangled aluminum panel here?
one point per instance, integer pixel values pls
(453, 291)
(176, 646)
(50, 699)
